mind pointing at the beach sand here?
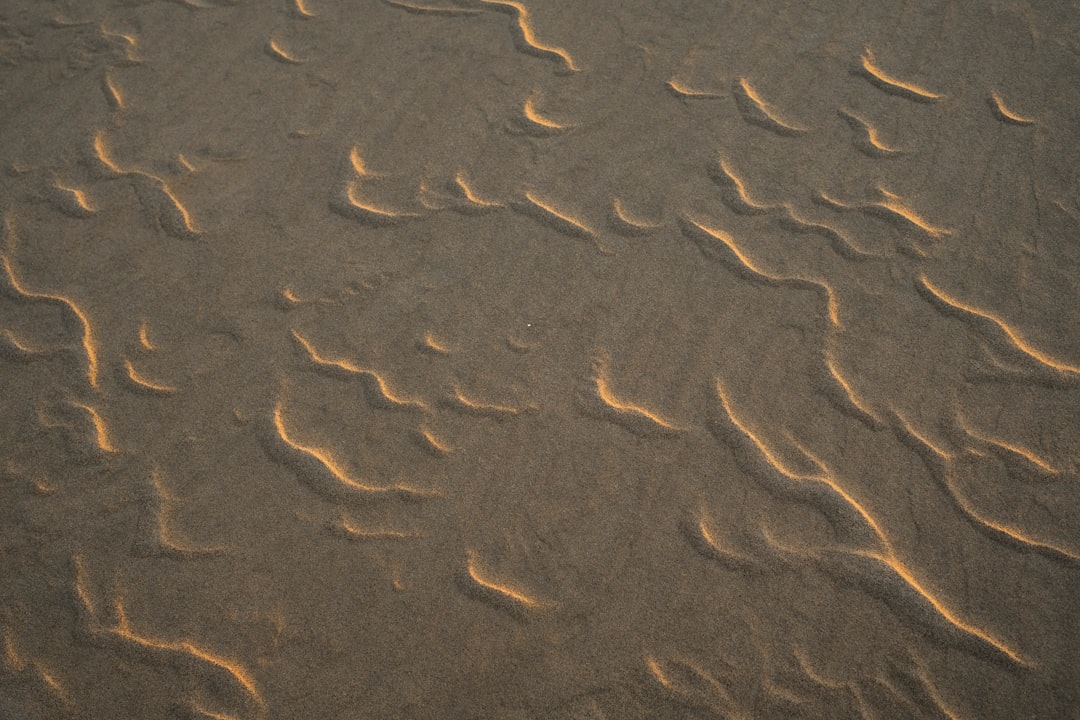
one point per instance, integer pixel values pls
(486, 359)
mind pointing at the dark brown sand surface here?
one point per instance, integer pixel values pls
(555, 359)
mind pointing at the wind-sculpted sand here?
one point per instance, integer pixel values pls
(893, 85)
(760, 112)
(478, 358)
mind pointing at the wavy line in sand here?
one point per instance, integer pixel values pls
(361, 209)
(870, 140)
(728, 242)
(1014, 335)
(709, 545)
(185, 163)
(201, 712)
(101, 430)
(16, 662)
(277, 52)
(431, 344)
(80, 584)
(290, 298)
(558, 218)
(737, 259)
(533, 116)
(131, 44)
(379, 384)
(803, 661)
(112, 93)
(892, 208)
(1011, 448)
(74, 201)
(186, 221)
(187, 227)
(1003, 113)
(327, 461)
(1010, 532)
(627, 222)
(144, 336)
(899, 695)
(164, 540)
(892, 563)
(840, 242)
(355, 531)
(684, 91)
(524, 23)
(432, 199)
(934, 694)
(562, 218)
(759, 112)
(827, 199)
(942, 456)
(485, 409)
(888, 560)
(692, 685)
(885, 556)
(623, 410)
(16, 348)
(737, 196)
(52, 683)
(862, 704)
(507, 595)
(102, 154)
(892, 85)
(432, 444)
(896, 206)
(824, 476)
(849, 391)
(359, 164)
(12, 658)
(461, 181)
(141, 382)
(88, 342)
(236, 672)
(777, 463)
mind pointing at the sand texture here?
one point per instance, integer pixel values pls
(548, 359)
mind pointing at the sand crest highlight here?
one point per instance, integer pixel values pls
(893, 85)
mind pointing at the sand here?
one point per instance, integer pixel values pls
(486, 359)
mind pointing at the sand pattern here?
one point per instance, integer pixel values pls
(484, 358)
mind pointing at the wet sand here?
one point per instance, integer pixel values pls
(483, 359)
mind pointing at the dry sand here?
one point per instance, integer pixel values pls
(486, 359)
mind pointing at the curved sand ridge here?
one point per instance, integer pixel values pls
(119, 633)
(528, 35)
(884, 554)
(176, 219)
(89, 344)
(893, 85)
